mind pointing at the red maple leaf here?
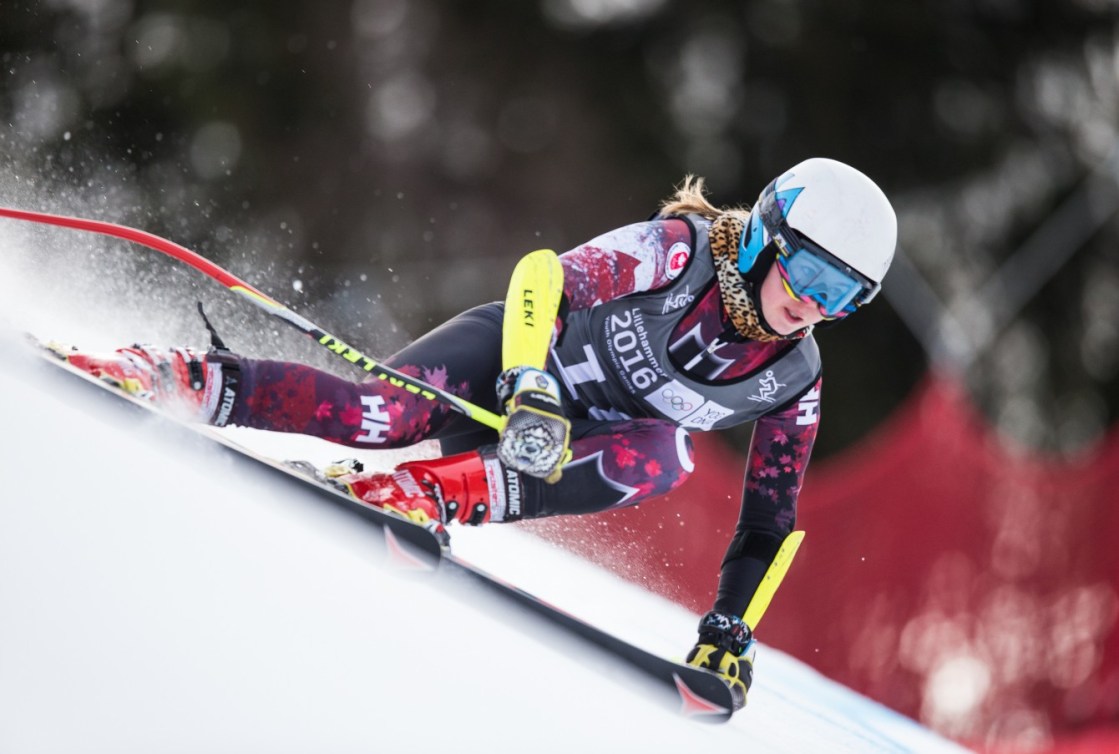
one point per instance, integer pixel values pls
(350, 415)
(322, 413)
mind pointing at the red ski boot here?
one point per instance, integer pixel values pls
(178, 379)
(470, 488)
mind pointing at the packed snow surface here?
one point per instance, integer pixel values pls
(160, 595)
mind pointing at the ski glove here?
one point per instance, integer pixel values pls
(537, 436)
(726, 647)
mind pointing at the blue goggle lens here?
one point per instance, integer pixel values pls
(811, 277)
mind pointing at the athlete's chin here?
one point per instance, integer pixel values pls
(786, 322)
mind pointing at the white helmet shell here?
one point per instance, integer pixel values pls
(843, 211)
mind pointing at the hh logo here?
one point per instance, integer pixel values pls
(767, 388)
(374, 419)
(808, 410)
(677, 260)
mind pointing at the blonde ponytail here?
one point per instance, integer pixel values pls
(691, 198)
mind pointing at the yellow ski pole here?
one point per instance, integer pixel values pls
(772, 579)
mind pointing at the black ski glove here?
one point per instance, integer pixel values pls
(536, 439)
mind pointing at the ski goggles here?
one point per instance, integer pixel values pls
(810, 272)
(809, 276)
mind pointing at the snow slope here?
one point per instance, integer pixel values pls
(158, 596)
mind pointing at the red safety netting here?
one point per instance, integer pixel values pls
(948, 573)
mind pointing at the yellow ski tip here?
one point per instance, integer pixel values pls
(535, 292)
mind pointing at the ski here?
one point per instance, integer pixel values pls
(691, 691)
(406, 543)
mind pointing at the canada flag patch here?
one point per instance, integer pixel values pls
(678, 257)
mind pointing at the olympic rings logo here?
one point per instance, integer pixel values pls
(676, 401)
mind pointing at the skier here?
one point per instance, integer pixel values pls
(695, 320)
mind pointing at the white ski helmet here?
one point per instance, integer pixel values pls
(837, 215)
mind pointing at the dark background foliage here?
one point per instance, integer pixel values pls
(401, 155)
